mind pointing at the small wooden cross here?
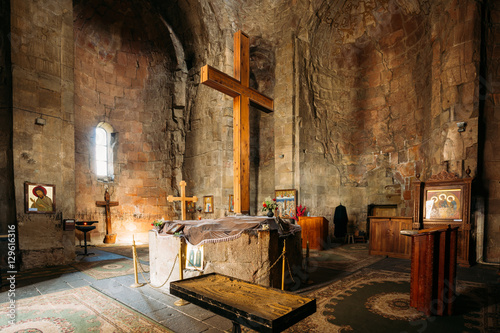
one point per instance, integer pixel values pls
(110, 238)
(238, 88)
(183, 199)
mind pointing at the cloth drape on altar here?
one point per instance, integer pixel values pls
(198, 232)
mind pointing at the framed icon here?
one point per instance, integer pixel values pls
(191, 206)
(208, 204)
(39, 198)
(175, 228)
(287, 203)
(194, 257)
(231, 203)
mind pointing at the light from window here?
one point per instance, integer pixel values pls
(101, 151)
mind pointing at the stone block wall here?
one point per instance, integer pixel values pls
(7, 200)
(253, 257)
(489, 129)
(381, 87)
(124, 76)
(367, 96)
(42, 87)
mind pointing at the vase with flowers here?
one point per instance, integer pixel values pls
(269, 205)
(301, 211)
(158, 225)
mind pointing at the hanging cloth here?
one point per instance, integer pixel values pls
(340, 221)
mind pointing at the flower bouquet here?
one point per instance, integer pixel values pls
(269, 205)
(301, 211)
(158, 225)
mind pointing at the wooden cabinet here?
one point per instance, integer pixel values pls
(385, 237)
(314, 230)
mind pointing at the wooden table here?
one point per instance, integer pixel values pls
(260, 308)
(314, 230)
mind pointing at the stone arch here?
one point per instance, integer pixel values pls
(130, 71)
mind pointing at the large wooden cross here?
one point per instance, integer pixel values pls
(110, 237)
(182, 199)
(238, 88)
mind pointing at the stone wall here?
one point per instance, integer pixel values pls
(367, 96)
(7, 201)
(489, 129)
(381, 86)
(127, 75)
(42, 87)
(259, 262)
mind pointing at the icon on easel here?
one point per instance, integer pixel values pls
(194, 259)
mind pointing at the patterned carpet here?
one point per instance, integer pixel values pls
(378, 301)
(76, 310)
(126, 251)
(107, 268)
(348, 257)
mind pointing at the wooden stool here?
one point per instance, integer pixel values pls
(349, 238)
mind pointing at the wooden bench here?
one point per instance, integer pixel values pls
(260, 308)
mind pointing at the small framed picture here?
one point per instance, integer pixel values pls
(231, 203)
(194, 257)
(208, 204)
(443, 203)
(287, 203)
(175, 228)
(191, 206)
(39, 198)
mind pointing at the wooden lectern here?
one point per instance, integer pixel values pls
(433, 269)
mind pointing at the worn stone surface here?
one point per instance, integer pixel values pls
(489, 92)
(259, 263)
(42, 86)
(7, 201)
(124, 74)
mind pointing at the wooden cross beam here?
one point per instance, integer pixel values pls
(182, 199)
(109, 238)
(243, 95)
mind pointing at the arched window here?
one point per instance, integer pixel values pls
(104, 142)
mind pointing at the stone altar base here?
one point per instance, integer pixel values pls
(248, 258)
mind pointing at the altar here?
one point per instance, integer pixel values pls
(243, 247)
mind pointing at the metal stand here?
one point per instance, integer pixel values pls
(136, 278)
(85, 229)
(181, 302)
(236, 328)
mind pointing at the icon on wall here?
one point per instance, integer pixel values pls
(39, 198)
(208, 204)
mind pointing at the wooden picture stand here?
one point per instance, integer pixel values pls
(458, 188)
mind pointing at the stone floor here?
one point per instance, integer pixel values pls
(159, 305)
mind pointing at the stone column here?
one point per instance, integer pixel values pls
(284, 116)
(43, 151)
